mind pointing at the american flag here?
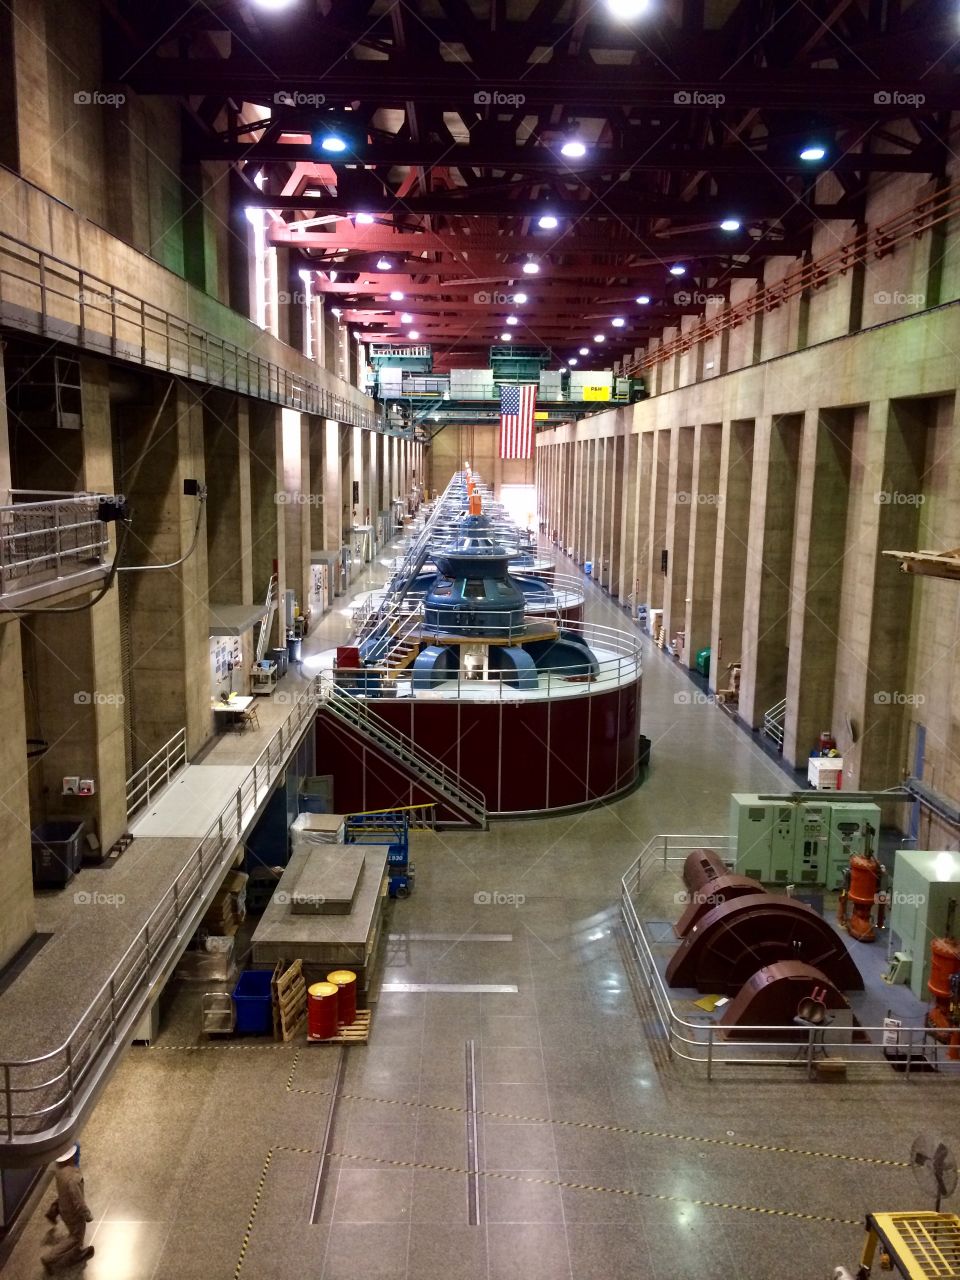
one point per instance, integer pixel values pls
(517, 407)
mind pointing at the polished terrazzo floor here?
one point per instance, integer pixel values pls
(599, 1157)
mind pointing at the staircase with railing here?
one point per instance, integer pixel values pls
(441, 781)
(774, 719)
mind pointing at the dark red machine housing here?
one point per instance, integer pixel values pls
(735, 939)
(771, 997)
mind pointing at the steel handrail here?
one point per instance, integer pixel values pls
(358, 714)
(110, 318)
(104, 1021)
(906, 225)
(169, 759)
(700, 1043)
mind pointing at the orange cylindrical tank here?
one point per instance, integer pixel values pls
(345, 980)
(944, 962)
(322, 1003)
(476, 505)
(863, 893)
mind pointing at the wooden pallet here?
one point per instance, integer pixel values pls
(289, 1001)
(358, 1033)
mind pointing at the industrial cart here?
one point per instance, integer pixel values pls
(915, 1246)
(391, 827)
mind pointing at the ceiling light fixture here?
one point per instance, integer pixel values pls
(730, 224)
(384, 264)
(406, 318)
(813, 151)
(678, 269)
(332, 143)
(364, 218)
(584, 351)
(572, 360)
(273, 4)
(531, 268)
(511, 319)
(599, 337)
(520, 298)
(574, 149)
(548, 221)
(413, 334)
(643, 299)
(396, 296)
(506, 337)
(618, 322)
(628, 8)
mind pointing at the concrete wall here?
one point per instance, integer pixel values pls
(480, 445)
(831, 438)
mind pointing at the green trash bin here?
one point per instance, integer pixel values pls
(703, 661)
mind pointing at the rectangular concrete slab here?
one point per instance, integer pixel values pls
(325, 942)
(328, 881)
(190, 803)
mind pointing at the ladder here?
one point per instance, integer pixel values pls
(266, 625)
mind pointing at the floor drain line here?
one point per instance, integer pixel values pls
(324, 1166)
(473, 1156)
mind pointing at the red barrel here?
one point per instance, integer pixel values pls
(345, 980)
(322, 1000)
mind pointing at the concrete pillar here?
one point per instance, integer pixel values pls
(679, 501)
(613, 504)
(766, 612)
(16, 883)
(161, 446)
(821, 527)
(595, 506)
(891, 503)
(295, 508)
(657, 517)
(226, 434)
(702, 549)
(733, 527)
(628, 520)
(266, 509)
(582, 546)
(643, 501)
(332, 495)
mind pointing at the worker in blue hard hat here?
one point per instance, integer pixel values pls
(71, 1206)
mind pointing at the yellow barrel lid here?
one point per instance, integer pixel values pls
(323, 989)
(342, 977)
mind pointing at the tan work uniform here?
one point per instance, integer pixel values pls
(71, 1205)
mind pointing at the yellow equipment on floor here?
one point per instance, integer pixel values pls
(916, 1246)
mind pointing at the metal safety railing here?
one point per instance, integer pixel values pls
(871, 243)
(41, 1097)
(41, 293)
(774, 719)
(617, 660)
(49, 540)
(446, 782)
(910, 1047)
(144, 783)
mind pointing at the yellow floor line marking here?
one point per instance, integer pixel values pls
(609, 1128)
(627, 1192)
(595, 1126)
